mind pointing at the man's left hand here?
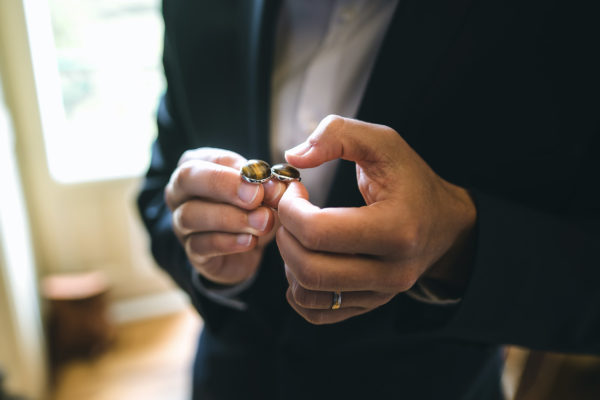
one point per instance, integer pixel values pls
(414, 224)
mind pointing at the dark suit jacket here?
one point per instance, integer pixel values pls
(500, 97)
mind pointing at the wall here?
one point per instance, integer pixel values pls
(58, 227)
(74, 227)
(22, 348)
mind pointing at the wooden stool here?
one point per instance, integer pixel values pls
(78, 323)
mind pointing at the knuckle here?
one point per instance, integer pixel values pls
(402, 282)
(382, 298)
(187, 155)
(184, 173)
(216, 178)
(219, 219)
(224, 218)
(217, 244)
(181, 176)
(195, 257)
(176, 221)
(207, 245)
(202, 153)
(308, 277)
(233, 220)
(332, 122)
(168, 196)
(212, 268)
(303, 297)
(315, 317)
(408, 239)
(309, 241)
(226, 158)
(310, 232)
(412, 237)
(297, 294)
(196, 246)
(183, 218)
(386, 130)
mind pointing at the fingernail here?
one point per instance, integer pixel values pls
(244, 240)
(300, 150)
(258, 219)
(247, 192)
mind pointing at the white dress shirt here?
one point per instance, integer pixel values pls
(324, 54)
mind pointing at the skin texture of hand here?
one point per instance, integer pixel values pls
(414, 223)
(222, 222)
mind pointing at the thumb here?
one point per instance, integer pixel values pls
(294, 204)
(345, 138)
(295, 195)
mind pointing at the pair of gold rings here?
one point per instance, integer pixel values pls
(258, 171)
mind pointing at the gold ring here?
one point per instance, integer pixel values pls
(285, 172)
(337, 300)
(255, 171)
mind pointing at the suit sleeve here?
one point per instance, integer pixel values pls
(536, 276)
(166, 248)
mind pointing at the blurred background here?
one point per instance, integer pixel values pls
(81, 301)
(84, 312)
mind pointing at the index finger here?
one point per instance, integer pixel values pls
(215, 182)
(224, 157)
(349, 139)
(346, 230)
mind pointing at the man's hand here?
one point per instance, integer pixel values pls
(222, 222)
(414, 223)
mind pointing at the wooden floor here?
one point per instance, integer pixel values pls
(150, 359)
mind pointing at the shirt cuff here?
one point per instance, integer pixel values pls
(225, 295)
(431, 293)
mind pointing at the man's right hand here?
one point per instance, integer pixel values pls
(222, 222)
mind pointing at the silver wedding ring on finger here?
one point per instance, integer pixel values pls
(258, 171)
(336, 303)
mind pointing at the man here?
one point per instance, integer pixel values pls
(475, 147)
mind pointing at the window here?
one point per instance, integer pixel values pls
(101, 98)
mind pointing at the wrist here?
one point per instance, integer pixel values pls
(452, 271)
(213, 285)
(227, 295)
